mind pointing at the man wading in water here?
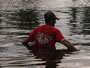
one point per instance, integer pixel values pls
(46, 36)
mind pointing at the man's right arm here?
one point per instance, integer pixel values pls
(30, 38)
(25, 43)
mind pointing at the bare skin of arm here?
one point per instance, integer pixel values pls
(65, 42)
(25, 43)
(69, 45)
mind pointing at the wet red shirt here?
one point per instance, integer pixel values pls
(45, 36)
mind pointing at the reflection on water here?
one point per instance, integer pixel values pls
(28, 19)
(16, 24)
(80, 23)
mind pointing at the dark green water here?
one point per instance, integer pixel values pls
(18, 19)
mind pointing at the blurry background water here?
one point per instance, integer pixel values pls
(19, 17)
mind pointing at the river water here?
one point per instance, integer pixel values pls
(19, 17)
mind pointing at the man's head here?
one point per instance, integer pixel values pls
(50, 18)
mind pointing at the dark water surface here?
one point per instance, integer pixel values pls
(19, 17)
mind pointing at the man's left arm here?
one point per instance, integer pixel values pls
(60, 38)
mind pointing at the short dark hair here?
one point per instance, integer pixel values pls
(50, 16)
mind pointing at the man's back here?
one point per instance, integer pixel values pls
(45, 36)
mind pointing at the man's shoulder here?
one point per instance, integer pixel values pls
(40, 26)
(54, 28)
(47, 27)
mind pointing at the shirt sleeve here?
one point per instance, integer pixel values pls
(59, 36)
(32, 35)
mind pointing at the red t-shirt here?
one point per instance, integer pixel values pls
(45, 36)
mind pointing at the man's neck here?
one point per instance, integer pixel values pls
(50, 25)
